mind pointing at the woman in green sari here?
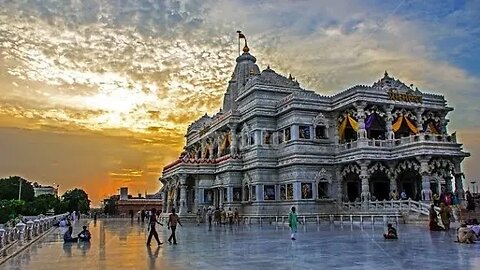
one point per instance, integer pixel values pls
(292, 222)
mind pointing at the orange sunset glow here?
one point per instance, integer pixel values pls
(99, 94)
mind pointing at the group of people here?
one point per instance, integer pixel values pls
(83, 236)
(218, 216)
(395, 196)
(173, 221)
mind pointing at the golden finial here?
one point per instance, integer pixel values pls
(246, 49)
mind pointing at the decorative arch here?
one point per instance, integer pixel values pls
(323, 180)
(404, 123)
(320, 126)
(379, 167)
(351, 168)
(405, 165)
(323, 175)
(409, 179)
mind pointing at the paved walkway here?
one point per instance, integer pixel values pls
(120, 244)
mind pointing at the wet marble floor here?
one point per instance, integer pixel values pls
(120, 244)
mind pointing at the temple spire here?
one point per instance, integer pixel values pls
(245, 48)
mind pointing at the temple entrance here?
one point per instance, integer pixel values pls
(353, 186)
(410, 182)
(379, 186)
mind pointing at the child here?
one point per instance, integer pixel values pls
(391, 232)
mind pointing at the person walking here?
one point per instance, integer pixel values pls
(153, 232)
(199, 216)
(173, 219)
(292, 222)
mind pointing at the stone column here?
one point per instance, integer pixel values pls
(183, 194)
(294, 132)
(365, 183)
(233, 143)
(393, 183)
(297, 191)
(258, 137)
(390, 134)
(165, 199)
(229, 194)
(362, 132)
(210, 148)
(457, 173)
(419, 113)
(425, 173)
(259, 192)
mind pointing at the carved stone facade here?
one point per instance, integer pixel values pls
(274, 145)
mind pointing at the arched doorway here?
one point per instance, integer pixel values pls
(353, 187)
(376, 127)
(410, 181)
(379, 185)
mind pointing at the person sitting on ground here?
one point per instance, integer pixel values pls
(67, 237)
(391, 232)
(433, 224)
(475, 227)
(84, 235)
(465, 235)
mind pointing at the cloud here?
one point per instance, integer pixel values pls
(146, 69)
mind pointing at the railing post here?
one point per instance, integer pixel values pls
(20, 231)
(36, 227)
(304, 220)
(29, 231)
(2, 237)
(318, 220)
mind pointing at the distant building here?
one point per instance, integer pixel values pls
(42, 190)
(127, 204)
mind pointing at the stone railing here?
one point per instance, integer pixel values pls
(22, 233)
(398, 142)
(392, 205)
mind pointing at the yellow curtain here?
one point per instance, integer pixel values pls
(353, 123)
(432, 128)
(411, 126)
(341, 129)
(396, 126)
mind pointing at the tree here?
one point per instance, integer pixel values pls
(76, 200)
(9, 188)
(43, 203)
(111, 205)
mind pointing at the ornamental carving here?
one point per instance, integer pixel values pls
(320, 120)
(404, 112)
(351, 168)
(407, 165)
(439, 164)
(379, 167)
(323, 176)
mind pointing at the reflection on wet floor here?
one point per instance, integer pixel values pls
(120, 244)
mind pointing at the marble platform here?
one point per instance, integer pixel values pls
(120, 244)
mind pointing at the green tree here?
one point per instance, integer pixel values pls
(76, 200)
(110, 206)
(43, 203)
(9, 188)
(10, 209)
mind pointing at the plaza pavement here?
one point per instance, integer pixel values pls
(120, 244)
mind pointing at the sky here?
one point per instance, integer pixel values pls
(98, 94)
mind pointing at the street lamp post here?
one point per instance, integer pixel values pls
(19, 190)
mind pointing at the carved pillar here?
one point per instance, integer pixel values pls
(211, 142)
(335, 129)
(165, 199)
(183, 194)
(457, 173)
(425, 173)
(340, 189)
(390, 134)
(362, 132)
(419, 113)
(294, 132)
(297, 191)
(229, 194)
(258, 137)
(233, 143)
(259, 192)
(365, 195)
